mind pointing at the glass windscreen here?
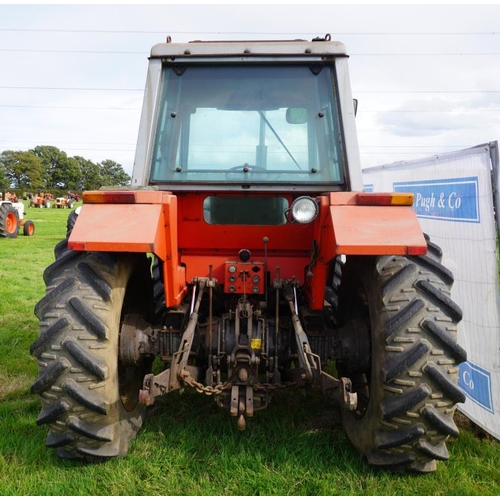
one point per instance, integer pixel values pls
(247, 124)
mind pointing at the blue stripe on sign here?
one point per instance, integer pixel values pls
(476, 383)
(455, 200)
(368, 188)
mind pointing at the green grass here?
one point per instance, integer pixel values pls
(188, 446)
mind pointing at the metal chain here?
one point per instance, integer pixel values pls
(204, 389)
(226, 386)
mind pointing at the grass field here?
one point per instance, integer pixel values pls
(188, 446)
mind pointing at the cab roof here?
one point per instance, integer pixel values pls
(198, 48)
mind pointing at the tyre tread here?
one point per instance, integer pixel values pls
(48, 335)
(86, 316)
(90, 362)
(52, 413)
(451, 389)
(399, 406)
(400, 363)
(445, 424)
(457, 351)
(86, 398)
(103, 434)
(50, 375)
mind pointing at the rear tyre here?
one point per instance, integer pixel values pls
(70, 223)
(408, 394)
(89, 399)
(9, 221)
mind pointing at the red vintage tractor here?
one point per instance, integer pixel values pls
(245, 256)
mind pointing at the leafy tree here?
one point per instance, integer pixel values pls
(22, 170)
(4, 183)
(112, 174)
(47, 167)
(59, 171)
(70, 175)
(91, 174)
(49, 156)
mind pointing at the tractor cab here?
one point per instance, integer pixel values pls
(248, 115)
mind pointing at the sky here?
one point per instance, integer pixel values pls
(427, 77)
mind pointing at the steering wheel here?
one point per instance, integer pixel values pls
(245, 169)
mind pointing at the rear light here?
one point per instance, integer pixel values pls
(402, 199)
(109, 197)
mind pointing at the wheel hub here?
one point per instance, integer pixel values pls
(355, 346)
(137, 340)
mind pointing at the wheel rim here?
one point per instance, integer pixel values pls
(131, 370)
(11, 223)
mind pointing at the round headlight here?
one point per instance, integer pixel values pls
(304, 209)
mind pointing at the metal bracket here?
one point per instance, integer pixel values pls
(172, 379)
(340, 389)
(311, 362)
(307, 359)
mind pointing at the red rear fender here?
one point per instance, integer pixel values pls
(347, 228)
(147, 226)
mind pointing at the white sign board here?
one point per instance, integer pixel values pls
(454, 201)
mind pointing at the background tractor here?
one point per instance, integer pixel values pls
(12, 218)
(41, 200)
(64, 202)
(244, 260)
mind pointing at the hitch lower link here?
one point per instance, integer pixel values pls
(339, 389)
(180, 373)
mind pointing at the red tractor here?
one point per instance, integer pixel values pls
(244, 257)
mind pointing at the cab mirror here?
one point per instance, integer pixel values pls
(296, 116)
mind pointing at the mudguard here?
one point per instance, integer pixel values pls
(120, 228)
(350, 228)
(147, 225)
(376, 231)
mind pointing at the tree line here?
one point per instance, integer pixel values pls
(46, 168)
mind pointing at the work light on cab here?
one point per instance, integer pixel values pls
(304, 209)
